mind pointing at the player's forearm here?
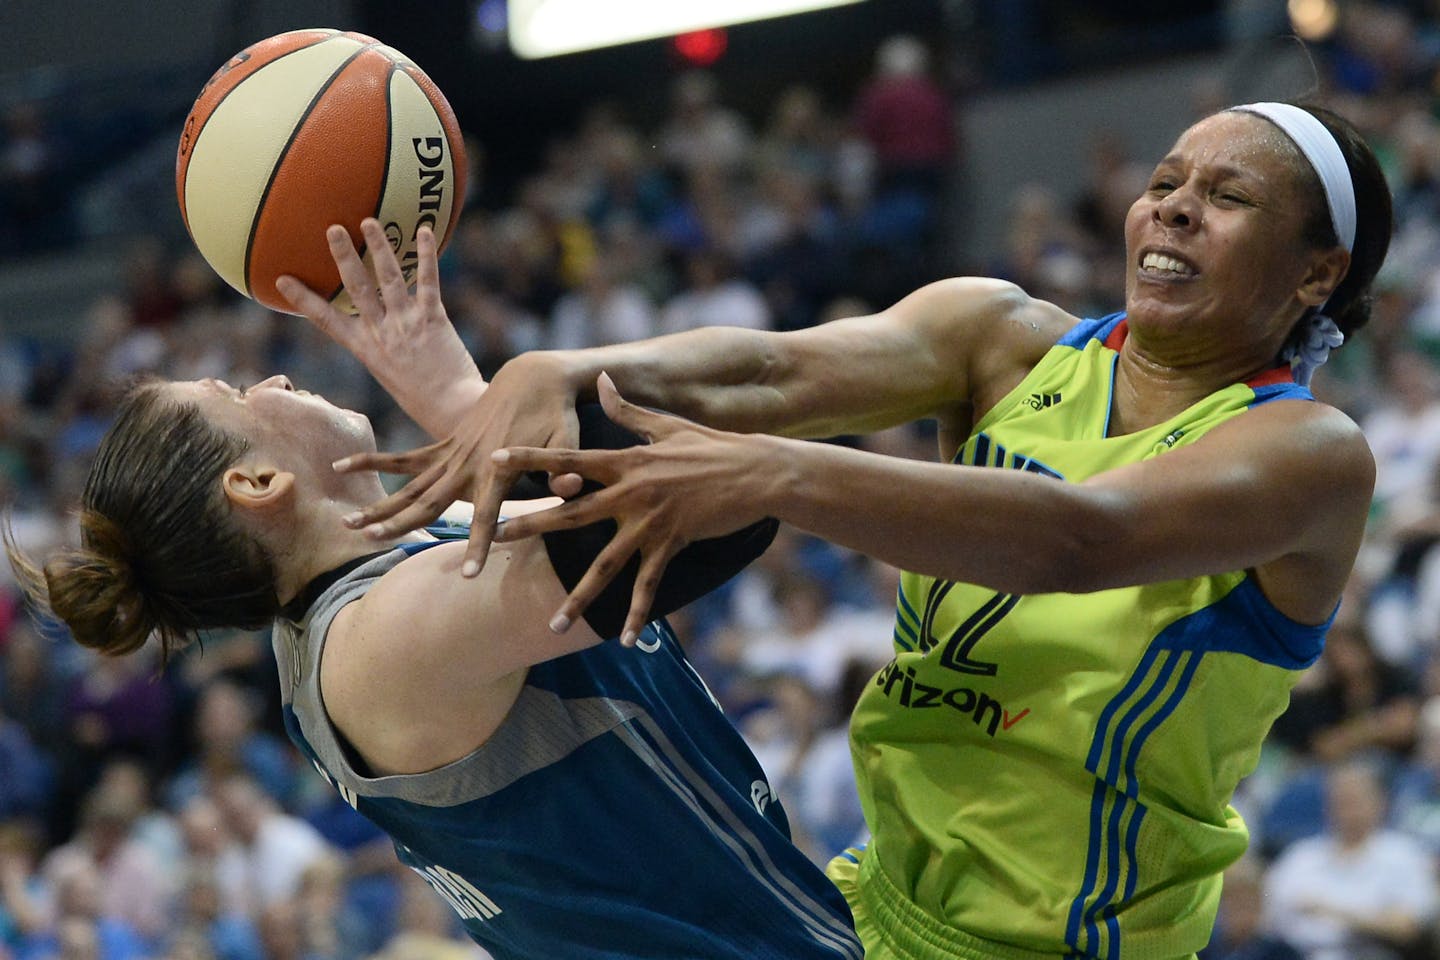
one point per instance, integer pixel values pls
(437, 400)
(1010, 530)
(439, 411)
(854, 375)
(721, 376)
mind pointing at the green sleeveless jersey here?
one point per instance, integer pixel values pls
(1050, 774)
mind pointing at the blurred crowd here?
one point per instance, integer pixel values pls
(149, 814)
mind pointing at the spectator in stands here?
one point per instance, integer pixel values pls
(333, 928)
(24, 896)
(1358, 890)
(32, 685)
(427, 928)
(908, 119)
(228, 741)
(26, 774)
(81, 927)
(277, 847)
(1362, 705)
(631, 189)
(212, 856)
(114, 707)
(714, 296)
(1404, 434)
(1239, 932)
(226, 934)
(130, 883)
(700, 130)
(1415, 795)
(604, 309)
(35, 210)
(128, 787)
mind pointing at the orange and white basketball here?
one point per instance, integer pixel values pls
(306, 129)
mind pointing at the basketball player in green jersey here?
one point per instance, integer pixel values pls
(1093, 640)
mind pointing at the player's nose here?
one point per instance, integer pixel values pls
(279, 381)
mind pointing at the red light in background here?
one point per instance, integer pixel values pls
(702, 47)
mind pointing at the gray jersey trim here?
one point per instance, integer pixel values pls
(540, 729)
(672, 769)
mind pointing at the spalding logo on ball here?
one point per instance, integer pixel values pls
(306, 129)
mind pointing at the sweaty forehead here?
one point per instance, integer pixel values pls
(213, 401)
(1242, 140)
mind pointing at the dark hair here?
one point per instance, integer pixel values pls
(160, 553)
(1349, 304)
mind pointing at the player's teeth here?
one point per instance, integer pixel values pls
(1158, 261)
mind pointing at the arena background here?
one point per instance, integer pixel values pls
(118, 788)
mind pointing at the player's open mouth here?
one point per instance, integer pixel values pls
(1166, 266)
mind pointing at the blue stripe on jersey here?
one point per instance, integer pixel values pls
(1127, 790)
(1110, 392)
(1244, 621)
(1093, 329)
(1285, 390)
(1115, 836)
(907, 622)
(1226, 626)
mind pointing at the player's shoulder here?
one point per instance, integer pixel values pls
(1310, 437)
(989, 303)
(1307, 423)
(992, 328)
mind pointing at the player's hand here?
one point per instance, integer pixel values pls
(690, 483)
(404, 339)
(528, 402)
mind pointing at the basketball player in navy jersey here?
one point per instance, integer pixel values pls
(571, 797)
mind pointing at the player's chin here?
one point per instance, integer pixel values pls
(358, 431)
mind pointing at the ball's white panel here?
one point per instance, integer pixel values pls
(239, 146)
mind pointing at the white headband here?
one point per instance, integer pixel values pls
(1323, 152)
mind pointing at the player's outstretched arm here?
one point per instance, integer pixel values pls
(404, 339)
(925, 356)
(1282, 491)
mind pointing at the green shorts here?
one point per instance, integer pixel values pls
(893, 928)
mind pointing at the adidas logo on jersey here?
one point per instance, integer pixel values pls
(1039, 401)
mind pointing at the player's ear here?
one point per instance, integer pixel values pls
(1324, 276)
(258, 488)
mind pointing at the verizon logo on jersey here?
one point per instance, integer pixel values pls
(987, 712)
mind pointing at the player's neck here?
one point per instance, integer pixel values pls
(320, 542)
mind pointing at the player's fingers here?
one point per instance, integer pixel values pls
(427, 284)
(487, 499)
(393, 289)
(566, 485)
(357, 280)
(603, 569)
(408, 462)
(599, 465)
(566, 516)
(647, 423)
(409, 508)
(376, 517)
(314, 308)
(642, 595)
(477, 546)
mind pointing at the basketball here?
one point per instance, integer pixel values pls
(307, 129)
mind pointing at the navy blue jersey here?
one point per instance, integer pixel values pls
(614, 813)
